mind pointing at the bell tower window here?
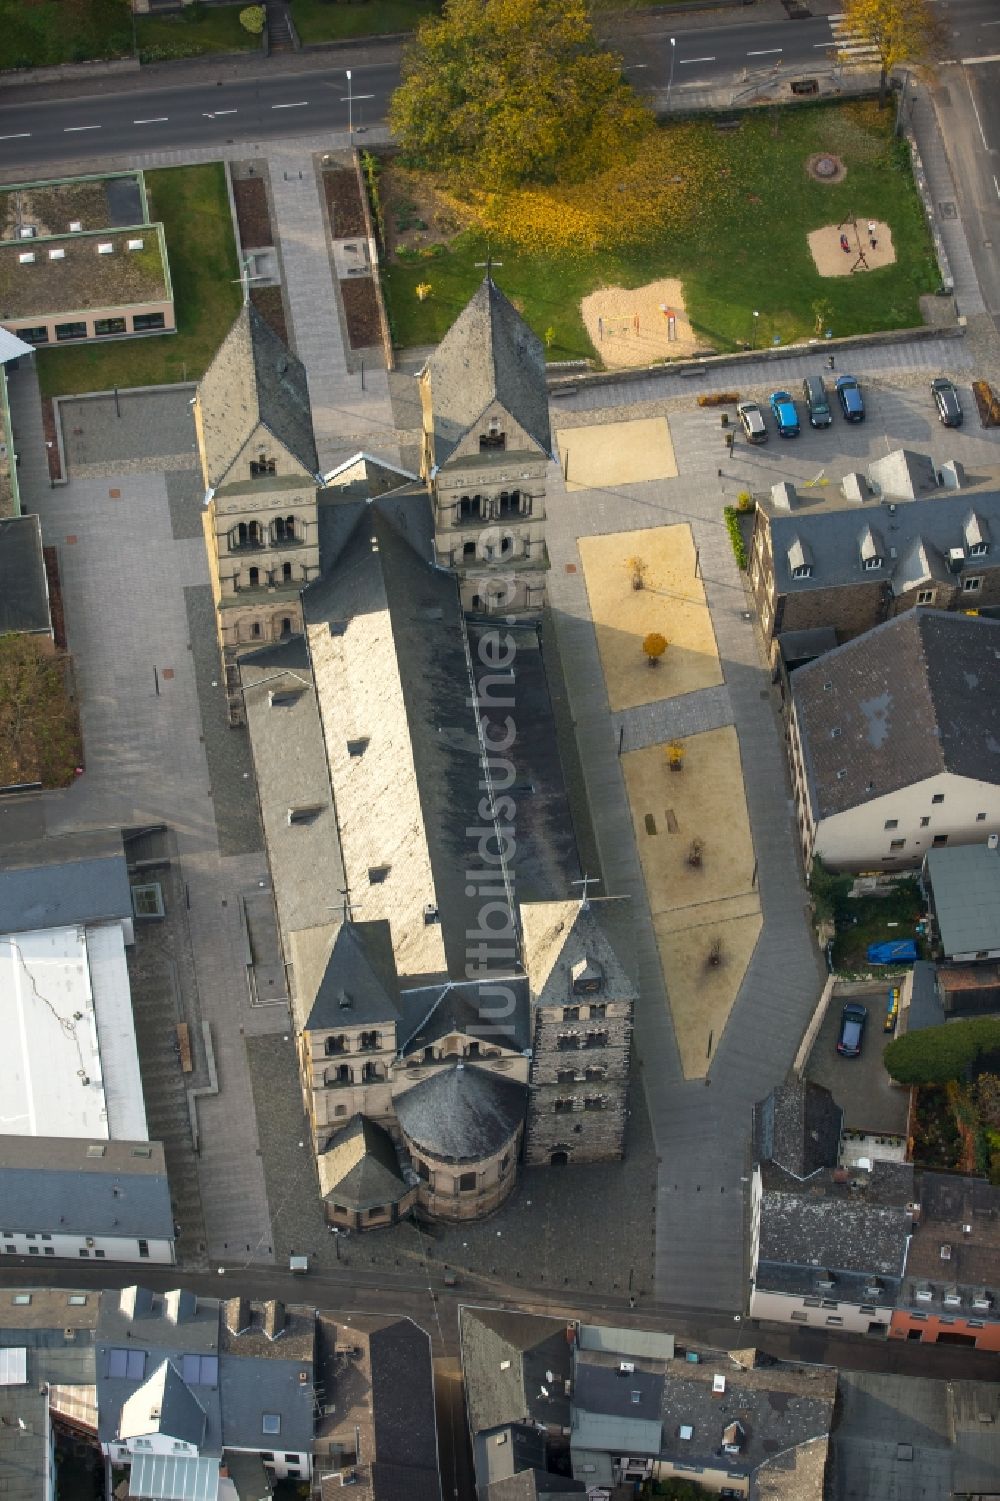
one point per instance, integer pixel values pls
(493, 438)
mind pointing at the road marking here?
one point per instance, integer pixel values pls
(968, 62)
(996, 185)
(68, 129)
(979, 122)
(682, 61)
(219, 112)
(300, 104)
(21, 135)
(766, 52)
(153, 120)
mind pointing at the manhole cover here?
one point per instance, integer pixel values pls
(948, 210)
(825, 166)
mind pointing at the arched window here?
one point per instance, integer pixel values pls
(242, 535)
(255, 629)
(286, 625)
(283, 529)
(254, 578)
(286, 573)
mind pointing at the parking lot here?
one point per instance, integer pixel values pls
(871, 1103)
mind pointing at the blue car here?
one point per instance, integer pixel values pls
(784, 413)
(851, 401)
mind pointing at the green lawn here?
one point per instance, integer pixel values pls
(41, 33)
(746, 251)
(190, 32)
(194, 207)
(328, 21)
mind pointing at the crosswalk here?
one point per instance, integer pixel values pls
(852, 47)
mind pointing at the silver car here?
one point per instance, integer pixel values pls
(752, 421)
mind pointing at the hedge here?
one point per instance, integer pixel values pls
(937, 1055)
(736, 536)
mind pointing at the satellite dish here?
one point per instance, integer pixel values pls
(545, 1391)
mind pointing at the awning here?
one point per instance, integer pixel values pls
(168, 1477)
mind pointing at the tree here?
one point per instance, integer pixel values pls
(654, 645)
(936, 1055)
(252, 19)
(901, 31)
(830, 891)
(498, 92)
(676, 751)
(637, 569)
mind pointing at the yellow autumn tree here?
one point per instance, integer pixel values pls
(654, 645)
(500, 92)
(901, 31)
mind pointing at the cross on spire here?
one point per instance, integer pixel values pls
(345, 906)
(488, 264)
(585, 883)
(244, 279)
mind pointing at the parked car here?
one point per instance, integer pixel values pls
(946, 400)
(852, 403)
(752, 421)
(784, 412)
(817, 402)
(852, 1029)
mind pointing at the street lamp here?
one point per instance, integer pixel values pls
(670, 80)
(350, 107)
(753, 329)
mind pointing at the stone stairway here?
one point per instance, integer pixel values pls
(279, 33)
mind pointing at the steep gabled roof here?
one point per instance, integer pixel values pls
(360, 1168)
(798, 1127)
(903, 475)
(254, 378)
(489, 354)
(345, 975)
(559, 936)
(164, 1404)
(914, 697)
(506, 1361)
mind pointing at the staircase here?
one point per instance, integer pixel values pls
(279, 32)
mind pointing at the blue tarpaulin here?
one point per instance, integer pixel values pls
(898, 951)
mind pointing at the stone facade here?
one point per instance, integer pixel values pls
(468, 1190)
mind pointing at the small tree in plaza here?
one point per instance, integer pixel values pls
(654, 645)
(637, 569)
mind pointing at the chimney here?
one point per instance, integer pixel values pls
(237, 1315)
(952, 475)
(273, 1318)
(783, 496)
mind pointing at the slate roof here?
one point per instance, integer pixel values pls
(506, 1358)
(494, 1010)
(489, 354)
(359, 1168)
(24, 592)
(51, 1185)
(345, 975)
(798, 1126)
(559, 935)
(533, 1485)
(965, 886)
(925, 1009)
(855, 1230)
(777, 1406)
(402, 1395)
(922, 533)
(165, 1404)
(52, 1365)
(66, 880)
(159, 1328)
(914, 697)
(949, 1204)
(461, 1113)
(499, 1454)
(254, 378)
(259, 1376)
(601, 1386)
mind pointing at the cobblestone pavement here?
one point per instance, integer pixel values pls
(535, 1240)
(129, 432)
(125, 580)
(689, 714)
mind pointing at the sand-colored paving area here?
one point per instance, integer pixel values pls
(640, 325)
(671, 601)
(616, 453)
(693, 835)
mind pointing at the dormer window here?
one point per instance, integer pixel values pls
(804, 571)
(977, 536)
(979, 549)
(588, 976)
(800, 559)
(870, 564)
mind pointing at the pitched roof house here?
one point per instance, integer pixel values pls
(894, 741)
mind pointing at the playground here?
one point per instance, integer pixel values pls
(638, 327)
(855, 246)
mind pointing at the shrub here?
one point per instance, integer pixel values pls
(252, 19)
(371, 167)
(719, 399)
(736, 536)
(937, 1055)
(829, 891)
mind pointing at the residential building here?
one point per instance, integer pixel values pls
(963, 891)
(46, 1384)
(636, 1408)
(951, 1292)
(892, 742)
(190, 1387)
(487, 448)
(377, 1427)
(81, 262)
(828, 1244)
(897, 537)
(73, 1197)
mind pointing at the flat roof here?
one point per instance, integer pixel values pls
(70, 1066)
(63, 880)
(965, 882)
(70, 273)
(51, 206)
(24, 590)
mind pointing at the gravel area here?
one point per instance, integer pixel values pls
(230, 768)
(361, 312)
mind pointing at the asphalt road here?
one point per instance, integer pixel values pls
(230, 101)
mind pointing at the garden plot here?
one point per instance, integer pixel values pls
(671, 602)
